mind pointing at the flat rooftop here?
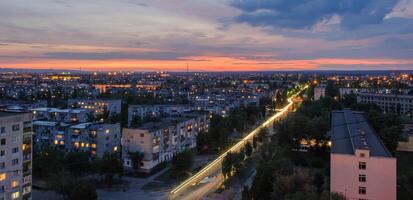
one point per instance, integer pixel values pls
(171, 121)
(8, 114)
(350, 130)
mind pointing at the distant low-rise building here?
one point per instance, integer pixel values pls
(349, 90)
(15, 155)
(155, 111)
(319, 91)
(361, 166)
(97, 106)
(389, 103)
(160, 141)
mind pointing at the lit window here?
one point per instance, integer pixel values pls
(2, 176)
(55, 142)
(115, 148)
(14, 183)
(107, 131)
(15, 195)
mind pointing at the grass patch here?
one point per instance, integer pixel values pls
(156, 186)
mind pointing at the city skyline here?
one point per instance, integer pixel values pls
(214, 35)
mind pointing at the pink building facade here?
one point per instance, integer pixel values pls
(361, 167)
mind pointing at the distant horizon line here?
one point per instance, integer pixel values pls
(200, 71)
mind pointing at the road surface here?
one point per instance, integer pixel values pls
(190, 189)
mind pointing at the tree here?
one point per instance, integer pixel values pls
(83, 190)
(254, 141)
(391, 136)
(183, 161)
(227, 165)
(136, 121)
(71, 188)
(77, 163)
(109, 166)
(47, 161)
(248, 149)
(136, 158)
(245, 195)
(332, 89)
(232, 164)
(114, 118)
(202, 141)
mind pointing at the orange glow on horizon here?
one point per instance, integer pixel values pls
(200, 63)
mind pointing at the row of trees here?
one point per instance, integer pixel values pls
(221, 128)
(66, 173)
(233, 162)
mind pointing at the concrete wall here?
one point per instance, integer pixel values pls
(380, 177)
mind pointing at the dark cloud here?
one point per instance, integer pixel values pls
(391, 48)
(117, 55)
(304, 14)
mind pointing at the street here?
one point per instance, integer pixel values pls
(190, 190)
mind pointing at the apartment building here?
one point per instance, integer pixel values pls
(360, 165)
(96, 139)
(93, 138)
(155, 111)
(389, 103)
(61, 115)
(160, 141)
(319, 91)
(351, 90)
(97, 106)
(15, 155)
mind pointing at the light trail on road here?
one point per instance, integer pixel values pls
(217, 162)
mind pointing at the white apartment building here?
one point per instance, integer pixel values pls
(160, 141)
(389, 103)
(348, 90)
(319, 91)
(15, 155)
(96, 139)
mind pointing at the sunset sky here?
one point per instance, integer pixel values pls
(208, 35)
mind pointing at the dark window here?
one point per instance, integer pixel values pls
(16, 127)
(3, 141)
(362, 165)
(362, 190)
(362, 178)
(3, 130)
